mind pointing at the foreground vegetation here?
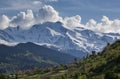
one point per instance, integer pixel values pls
(104, 65)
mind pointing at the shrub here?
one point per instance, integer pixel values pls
(111, 75)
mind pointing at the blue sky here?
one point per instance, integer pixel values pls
(97, 15)
(87, 9)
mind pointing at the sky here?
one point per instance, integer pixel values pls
(92, 14)
(87, 9)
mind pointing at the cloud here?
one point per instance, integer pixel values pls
(91, 24)
(50, 0)
(24, 20)
(73, 21)
(37, 2)
(48, 14)
(4, 22)
(105, 26)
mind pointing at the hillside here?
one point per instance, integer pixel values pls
(28, 55)
(104, 65)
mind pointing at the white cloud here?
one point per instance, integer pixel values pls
(37, 2)
(48, 0)
(73, 21)
(4, 22)
(24, 20)
(91, 23)
(48, 14)
(105, 26)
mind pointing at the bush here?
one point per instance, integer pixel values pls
(2, 77)
(111, 75)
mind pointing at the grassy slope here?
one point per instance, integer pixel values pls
(105, 65)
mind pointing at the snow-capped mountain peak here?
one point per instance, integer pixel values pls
(77, 41)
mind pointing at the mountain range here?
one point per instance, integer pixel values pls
(76, 41)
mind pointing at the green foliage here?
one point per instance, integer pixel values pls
(111, 75)
(105, 65)
(2, 77)
(29, 55)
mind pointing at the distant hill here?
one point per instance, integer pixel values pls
(104, 65)
(28, 55)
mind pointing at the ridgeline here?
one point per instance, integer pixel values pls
(102, 65)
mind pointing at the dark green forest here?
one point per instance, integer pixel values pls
(29, 55)
(100, 65)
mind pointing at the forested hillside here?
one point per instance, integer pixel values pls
(103, 65)
(26, 56)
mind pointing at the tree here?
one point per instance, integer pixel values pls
(2, 77)
(75, 61)
(111, 75)
(75, 76)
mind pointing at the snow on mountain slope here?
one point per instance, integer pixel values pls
(77, 41)
(7, 43)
